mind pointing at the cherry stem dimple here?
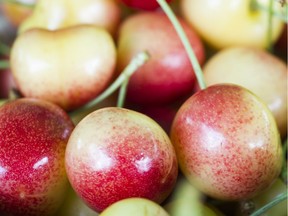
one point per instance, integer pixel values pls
(135, 63)
(274, 202)
(192, 57)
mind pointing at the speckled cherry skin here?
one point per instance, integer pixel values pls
(168, 74)
(116, 153)
(33, 138)
(227, 142)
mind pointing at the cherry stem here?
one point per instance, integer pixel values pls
(122, 93)
(270, 26)
(4, 49)
(4, 64)
(274, 202)
(18, 3)
(183, 37)
(135, 63)
(255, 5)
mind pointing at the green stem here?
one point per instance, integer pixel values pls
(122, 93)
(270, 26)
(4, 64)
(18, 3)
(192, 57)
(4, 49)
(282, 15)
(135, 63)
(274, 202)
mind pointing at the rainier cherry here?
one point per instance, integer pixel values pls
(33, 137)
(115, 153)
(168, 75)
(227, 142)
